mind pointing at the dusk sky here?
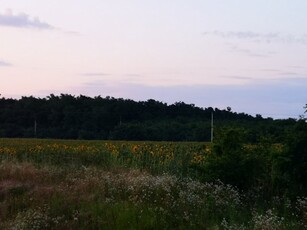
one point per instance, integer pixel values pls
(249, 55)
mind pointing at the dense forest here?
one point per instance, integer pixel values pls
(81, 117)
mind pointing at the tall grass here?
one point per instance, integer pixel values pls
(50, 184)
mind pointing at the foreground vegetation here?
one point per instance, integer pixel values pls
(52, 197)
(231, 184)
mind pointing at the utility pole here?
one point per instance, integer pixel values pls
(211, 126)
(35, 127)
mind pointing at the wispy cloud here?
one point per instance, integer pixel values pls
(288, 73)
(241, 34)
(4, 63)
(291, 72)
(22, 20)
(270, 70)
(133, 75)
(238, 78)
(259, 37)
(123, 77)
(296, 67)
(93, 74)
(70, 32)
(247, 52)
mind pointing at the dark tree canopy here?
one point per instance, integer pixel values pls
(81, 117)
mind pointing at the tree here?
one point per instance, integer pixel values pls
(229, 161)
(297, 153)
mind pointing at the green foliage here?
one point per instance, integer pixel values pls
(294, 164)
(69, 117)
(248, 166)
(228, 162)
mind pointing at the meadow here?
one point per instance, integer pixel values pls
(74, 184)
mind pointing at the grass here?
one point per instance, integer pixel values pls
(50, 197)
(48, 184)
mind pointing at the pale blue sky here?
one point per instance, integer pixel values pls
(249, 55)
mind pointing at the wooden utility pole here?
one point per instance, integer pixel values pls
(35, 127)
(211, 126)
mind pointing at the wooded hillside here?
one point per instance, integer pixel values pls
(81, 117)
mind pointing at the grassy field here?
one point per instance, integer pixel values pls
(57, 184)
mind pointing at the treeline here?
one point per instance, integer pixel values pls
(81, 117)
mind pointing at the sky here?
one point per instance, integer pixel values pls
(248, 55)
